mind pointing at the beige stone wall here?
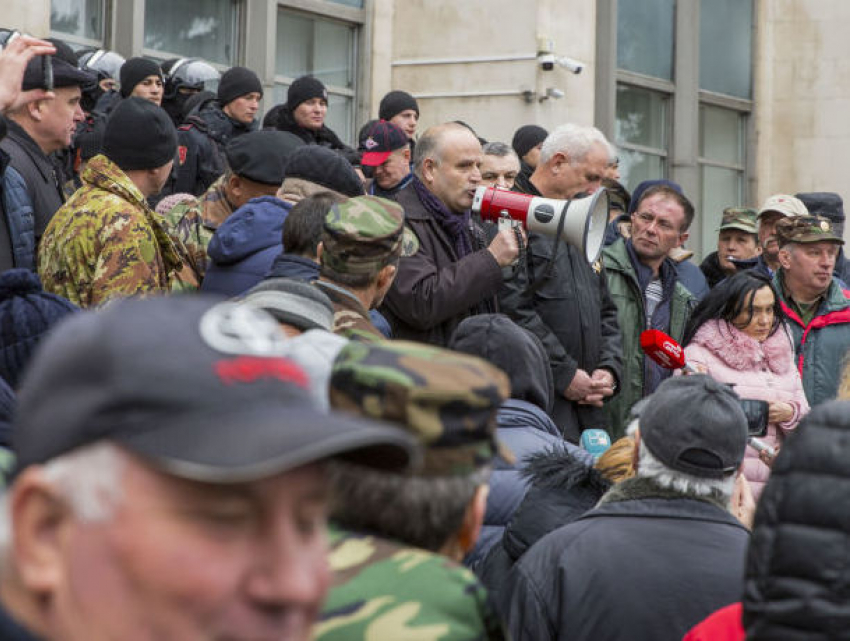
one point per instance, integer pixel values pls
(32, 16)
(428, 29)
(803, 97)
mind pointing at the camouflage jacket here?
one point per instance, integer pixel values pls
(106, 242)
(386, 590)
(193, 222)
(349, 313)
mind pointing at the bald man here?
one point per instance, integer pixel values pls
(455, 273)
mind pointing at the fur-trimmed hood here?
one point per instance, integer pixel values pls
(741, 352)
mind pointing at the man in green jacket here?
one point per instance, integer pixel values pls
(815, 306)
(644, 286)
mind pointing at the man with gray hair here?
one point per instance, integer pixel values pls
(661, 551)
(561, 299)
(455, 273)
(499, 166)
(174, 486)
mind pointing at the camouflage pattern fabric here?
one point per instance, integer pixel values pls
(448, 400)
(363, 234)
(106, 242)
(805, 229)
(349, 314)
(193, 223)
(741, 218)
(386, 591)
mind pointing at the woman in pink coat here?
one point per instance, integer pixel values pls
(736, 336)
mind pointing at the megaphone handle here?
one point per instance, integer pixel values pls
(556, 244)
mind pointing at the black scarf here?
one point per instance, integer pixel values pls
(455, 225)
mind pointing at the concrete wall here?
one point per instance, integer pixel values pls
(32, 16)
(803, 97)
(429, 29)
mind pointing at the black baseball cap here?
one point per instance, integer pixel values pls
(695, 425)
(195, 386)
(261, 156)
(381, 140)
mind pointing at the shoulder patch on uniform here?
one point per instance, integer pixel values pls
(182, 150)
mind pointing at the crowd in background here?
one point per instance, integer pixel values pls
(257, 383)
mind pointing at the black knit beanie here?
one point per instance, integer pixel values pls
(303, 89)
(527, 138)
(139, 135)
(236, 82)
(134, 70)
(395, 102)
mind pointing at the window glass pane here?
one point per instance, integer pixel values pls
(81, 18)
(721, 135)
(322, 48)
(635, 167)
(645, 37)
(721, 188)
(350, 3)
(340, 115)
(726, 46)
(641, 117)
(197, 28)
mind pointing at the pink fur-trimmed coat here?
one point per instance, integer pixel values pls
(762, 371)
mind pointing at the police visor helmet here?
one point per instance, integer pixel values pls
(103, 62)
(190, 74)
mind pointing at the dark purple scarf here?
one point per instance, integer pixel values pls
(455, 225)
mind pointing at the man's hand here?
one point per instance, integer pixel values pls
(13, 63)
(779, 412)
(580, 386)
(743, 505)
(603, 387)
(504, 247)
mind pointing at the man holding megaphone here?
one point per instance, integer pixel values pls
(556, 293)
(455, 273)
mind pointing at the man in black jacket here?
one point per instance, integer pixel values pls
(454, 274)
(40, 128)
(661, 551)
(207, 131)
(568, 306)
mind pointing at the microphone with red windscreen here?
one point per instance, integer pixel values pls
(664, 350)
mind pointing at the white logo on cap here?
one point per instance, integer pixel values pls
(370, 143)
(237, 328)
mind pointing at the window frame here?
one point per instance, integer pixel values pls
(79, 42)
(684, 160)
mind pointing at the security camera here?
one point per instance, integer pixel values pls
(547, 61)
(569, 64)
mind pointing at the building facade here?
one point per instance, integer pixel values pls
(733, 99)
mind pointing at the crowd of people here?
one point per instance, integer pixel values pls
(256, 383)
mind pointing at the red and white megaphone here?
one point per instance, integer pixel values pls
(581, 221)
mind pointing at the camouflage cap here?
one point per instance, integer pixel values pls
(446, 399)
(363, 234)
(805, 229)
(742, 218)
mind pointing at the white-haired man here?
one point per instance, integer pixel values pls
(173, 487)
(566, 305)
(661, 550)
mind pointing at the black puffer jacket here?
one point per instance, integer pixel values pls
(562, 488)
(798, 567)
(324, 137)
(711, 269)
